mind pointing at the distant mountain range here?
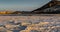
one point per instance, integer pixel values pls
(52, 7)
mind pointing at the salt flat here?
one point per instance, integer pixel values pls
(55, 17)
(43, 23)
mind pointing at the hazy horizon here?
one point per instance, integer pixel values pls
(21, 5)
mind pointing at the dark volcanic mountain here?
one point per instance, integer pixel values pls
(52, 7)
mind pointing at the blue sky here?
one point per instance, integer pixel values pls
(21, 5)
